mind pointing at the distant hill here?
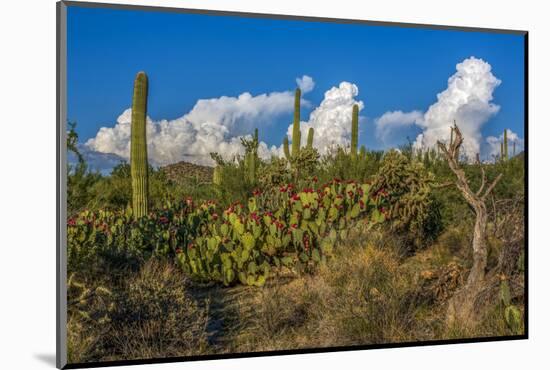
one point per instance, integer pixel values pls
(183, 172)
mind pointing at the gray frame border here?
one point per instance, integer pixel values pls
(61, 175)
(61, 189)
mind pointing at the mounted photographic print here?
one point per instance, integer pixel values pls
(234, 184)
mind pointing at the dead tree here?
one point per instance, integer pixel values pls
(461, 305)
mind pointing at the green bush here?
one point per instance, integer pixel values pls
(413, 211)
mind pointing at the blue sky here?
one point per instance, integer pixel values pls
(191, 57)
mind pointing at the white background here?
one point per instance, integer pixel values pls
(27, 182)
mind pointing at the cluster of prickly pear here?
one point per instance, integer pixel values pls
(512, 314)
(296, 229)
(109, 235)
(407, 185)
(299, 232)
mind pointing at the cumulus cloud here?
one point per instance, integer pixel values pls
(493, 144)
(213, 125)
(391, 124)
(331, 120)
(96, 161)
(466, 100)
(305, 83)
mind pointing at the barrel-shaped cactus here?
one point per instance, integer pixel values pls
(354, 130)
(138, 147)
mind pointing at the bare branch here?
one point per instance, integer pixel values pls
(490, 188)
(443, 185)
(483, 180)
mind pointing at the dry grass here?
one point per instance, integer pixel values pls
(153, 316)
(367, 293)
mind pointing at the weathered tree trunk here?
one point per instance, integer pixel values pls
(461, 308)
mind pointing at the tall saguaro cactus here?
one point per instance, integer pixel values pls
(296, 134)
(354, 130)
(138, 150)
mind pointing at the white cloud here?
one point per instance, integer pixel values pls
(391, 124)
(213, 125)
(331, 120)
(493, 144)
(466, 100)
(305, 83)
(216, 125)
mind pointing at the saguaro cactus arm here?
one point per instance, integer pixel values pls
(286, 149)
(310, 134)
(138, 147)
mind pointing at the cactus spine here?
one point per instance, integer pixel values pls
(354, 130)
(138, 149)
(296, 134)
(310, 138)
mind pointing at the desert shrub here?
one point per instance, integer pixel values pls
(339, 164)
(233, 186)
(150, 314)
(304, 164)
(358, 298)
(80, 187)
(274, 173)
(458, 239)
(115, 191)
(408, 185)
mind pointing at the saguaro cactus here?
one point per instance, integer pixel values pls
(217, 175)
(286, 149)
(505, 144)
(138, 150)
(354, 130)
(363, 152)
(296, 134)
(310, 138)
